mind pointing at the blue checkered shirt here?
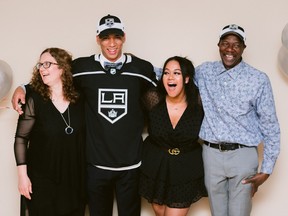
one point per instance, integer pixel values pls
(239, 108)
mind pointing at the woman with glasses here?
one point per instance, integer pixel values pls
(49, 140)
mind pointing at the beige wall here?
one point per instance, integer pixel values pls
(155, 31)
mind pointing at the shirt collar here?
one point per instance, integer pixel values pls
(102, 59)
(232, 72)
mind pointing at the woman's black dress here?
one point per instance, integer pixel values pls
(175, 179)
(55, 160)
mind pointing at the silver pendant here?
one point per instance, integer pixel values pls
(69, 130)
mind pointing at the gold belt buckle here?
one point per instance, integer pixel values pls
(174, 151)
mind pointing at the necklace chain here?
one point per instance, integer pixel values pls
(176, 106)
(68, 129)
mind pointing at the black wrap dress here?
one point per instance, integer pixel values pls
(172, 171)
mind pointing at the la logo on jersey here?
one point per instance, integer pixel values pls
(112, 104)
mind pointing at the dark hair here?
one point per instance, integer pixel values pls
(64, 61)
(188, 70)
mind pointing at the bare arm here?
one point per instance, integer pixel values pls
(24, 183)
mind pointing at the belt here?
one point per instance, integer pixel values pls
(224, 146)
(184, 149)
(178, 150)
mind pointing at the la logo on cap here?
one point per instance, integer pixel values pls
(233, 26)
(109, 22)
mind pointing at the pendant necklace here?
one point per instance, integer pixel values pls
(68, 129)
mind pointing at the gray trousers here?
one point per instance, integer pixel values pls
(224, 172)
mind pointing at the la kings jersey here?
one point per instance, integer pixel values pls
(114, 117)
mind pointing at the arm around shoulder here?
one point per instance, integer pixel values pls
(18, 98)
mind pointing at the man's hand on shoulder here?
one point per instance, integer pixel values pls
(18, 98)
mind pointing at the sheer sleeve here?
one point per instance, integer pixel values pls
(23, 131)
(151, 98)
(28, 89)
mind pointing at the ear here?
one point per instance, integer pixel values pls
(98, 40)
(124, 38)
(187, 80)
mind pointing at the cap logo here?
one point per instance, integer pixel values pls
(233, 26)
(109, 22)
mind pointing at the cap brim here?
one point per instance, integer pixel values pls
(111, 31)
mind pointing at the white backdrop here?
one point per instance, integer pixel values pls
(155, 30)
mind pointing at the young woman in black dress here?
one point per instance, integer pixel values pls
(172, 176)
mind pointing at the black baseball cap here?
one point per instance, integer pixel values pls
(110, 25)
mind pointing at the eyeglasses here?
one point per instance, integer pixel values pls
(45, 65)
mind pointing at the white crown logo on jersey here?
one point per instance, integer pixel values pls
(112, 114)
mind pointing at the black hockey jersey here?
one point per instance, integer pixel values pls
(114, 116)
